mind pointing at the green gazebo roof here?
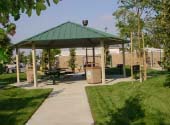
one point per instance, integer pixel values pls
(69, 35)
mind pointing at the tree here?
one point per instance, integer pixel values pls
(5, 50)
(162, 28)
(29, 58)
(127, 17)
(72, 59)
(13, 9)
(131, 16)
(44, 57)
(53, 53)
(107, 56)
(23, 57)
(126, 21)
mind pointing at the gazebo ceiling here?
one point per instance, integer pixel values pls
(68, 35)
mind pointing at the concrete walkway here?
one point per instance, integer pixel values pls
(66, 105)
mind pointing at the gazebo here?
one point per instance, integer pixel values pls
(69, 35)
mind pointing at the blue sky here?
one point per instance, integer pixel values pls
(98, 12)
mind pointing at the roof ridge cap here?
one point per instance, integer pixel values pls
(91, 29)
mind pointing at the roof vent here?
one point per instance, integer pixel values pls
(85, 22)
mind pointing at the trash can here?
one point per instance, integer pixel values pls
(93, 75)
(120, 68)
(29, 72)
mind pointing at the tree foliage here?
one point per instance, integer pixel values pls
(128, 14)
(107, 56)
(23, 57)
(132, 16)
(44, 57)
(162, 29)
(29, 58)
(126, 21)
(13, 9)
(5, 50)
(53, 53)
(72, 59)
(154, 21)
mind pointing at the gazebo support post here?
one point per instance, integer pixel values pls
(86, 56)
(86, 62)
(102, 62)
(34, 64)
(49, 63)
(17, 65)
(123, 55)
(94, 57)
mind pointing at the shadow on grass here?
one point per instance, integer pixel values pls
(156, 73)
(131, 112)
(158, 118)
(16, 110)
(6, 79)
(167, 80)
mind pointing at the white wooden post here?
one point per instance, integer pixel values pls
(17, 65)
(34, 64)
(86, 56)
(132, 54)
(123, 55)
(94, 61)
(49, 64)
(152, 59)
(102, 62)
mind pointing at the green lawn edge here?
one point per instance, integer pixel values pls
(15, 109)
(50, 90)
(100, 99)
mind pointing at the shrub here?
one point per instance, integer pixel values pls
(167, 81)
(1, 69)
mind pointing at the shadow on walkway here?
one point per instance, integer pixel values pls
(55, 93)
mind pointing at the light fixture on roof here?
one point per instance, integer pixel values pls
(85, 22)
(105, 29)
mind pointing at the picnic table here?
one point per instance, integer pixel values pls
(56, 73)
(52, 75)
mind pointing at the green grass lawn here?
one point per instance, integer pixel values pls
(17, 105)
(11, 78)
(130, 103)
